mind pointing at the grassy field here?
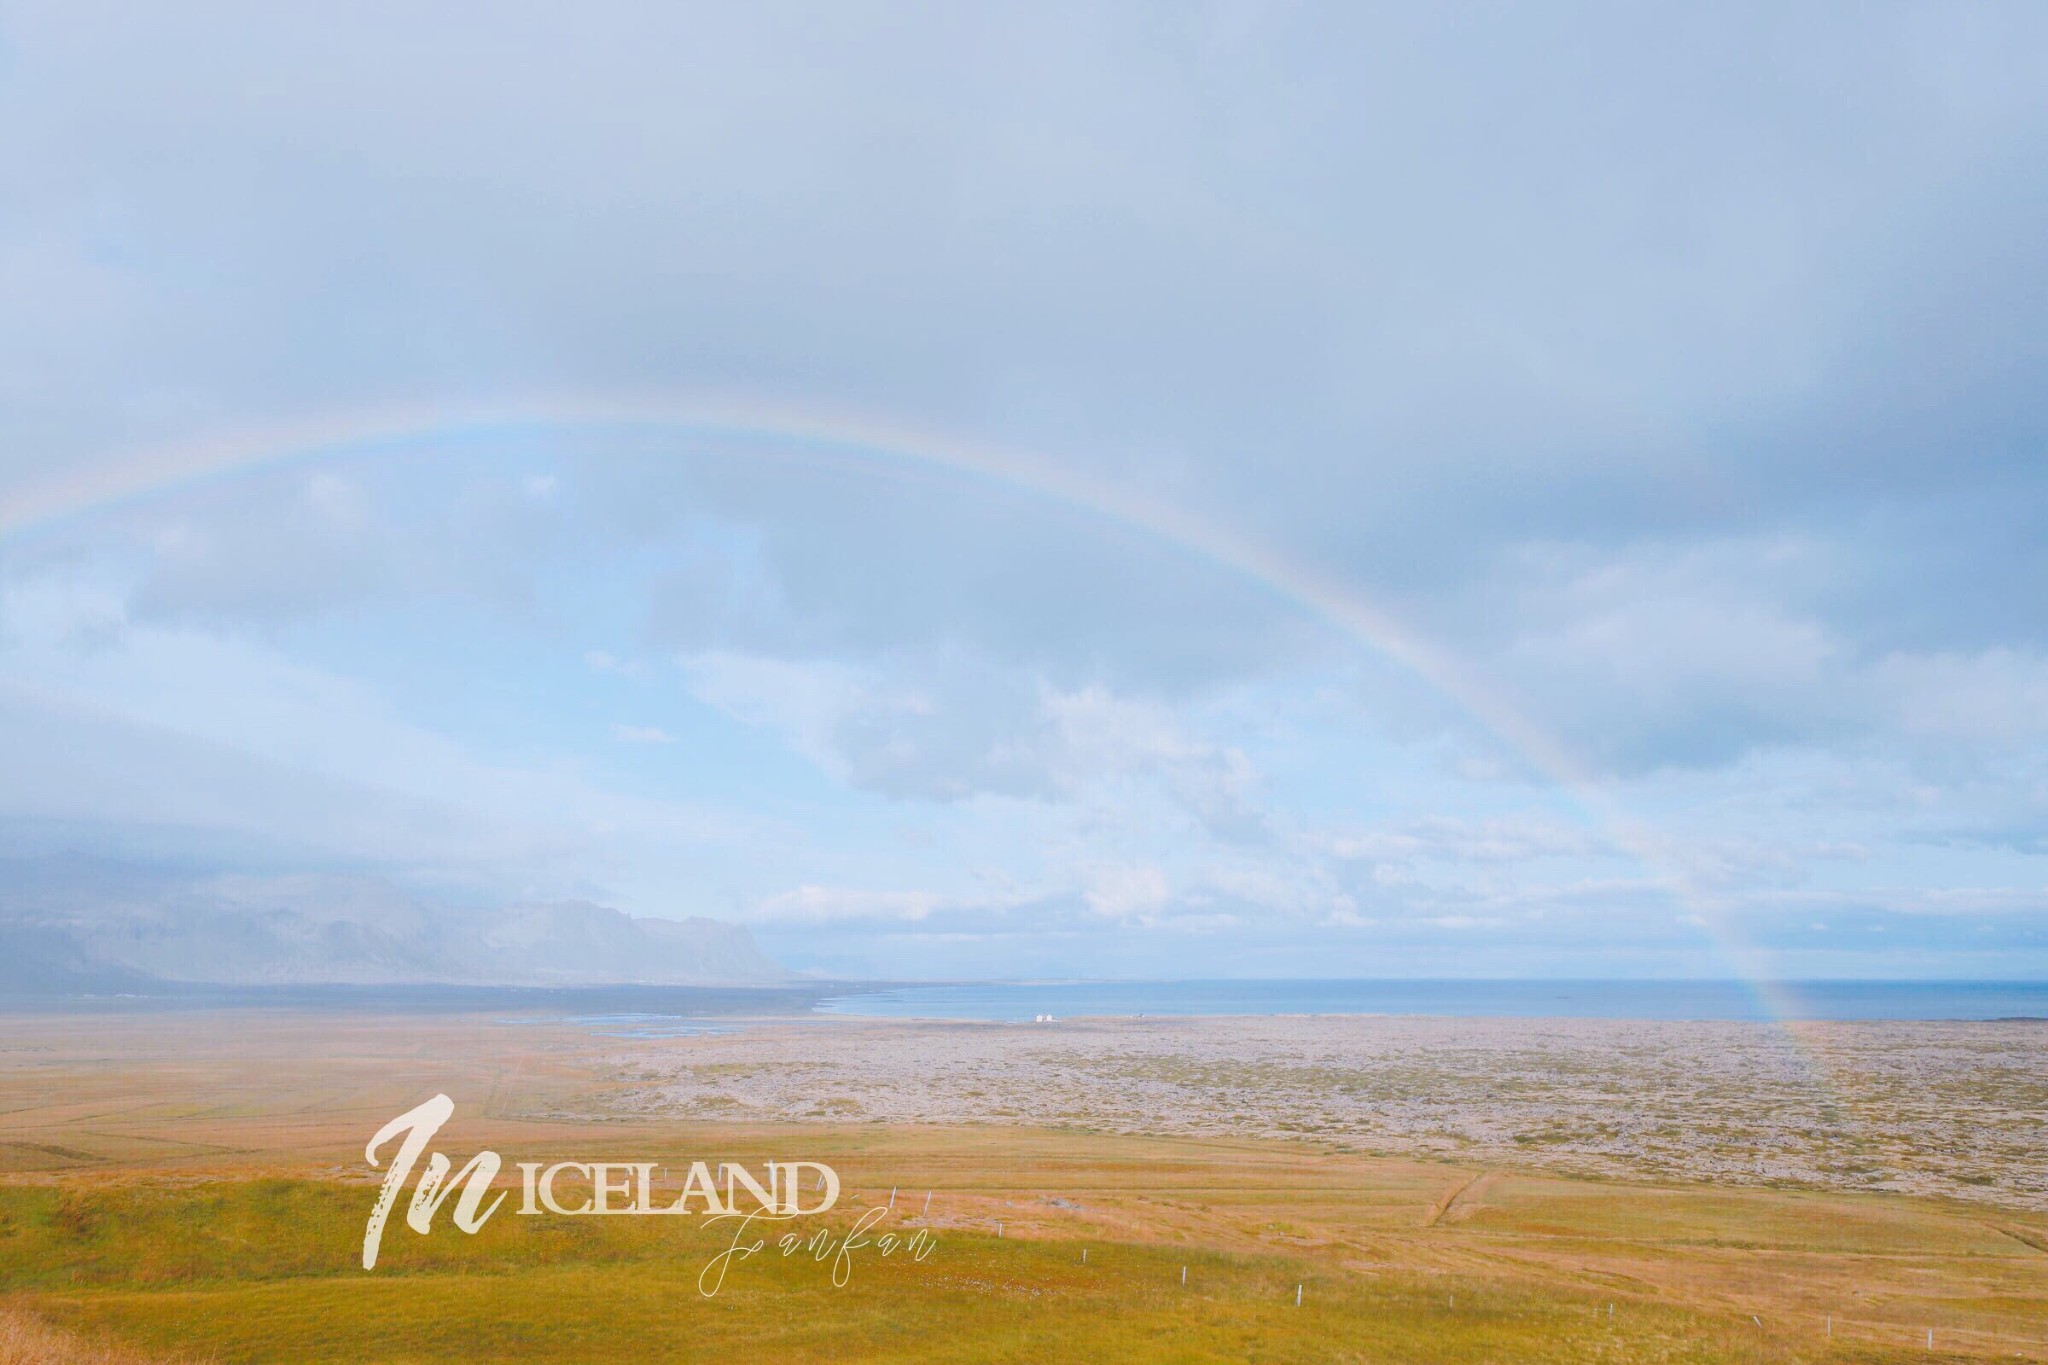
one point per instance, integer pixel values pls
(259, 1270)
(201, 1209)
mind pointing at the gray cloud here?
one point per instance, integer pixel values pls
(1678, 370)
(1407, 294)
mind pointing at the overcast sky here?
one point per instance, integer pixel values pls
(1675, 378)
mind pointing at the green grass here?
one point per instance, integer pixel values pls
(265, 1270)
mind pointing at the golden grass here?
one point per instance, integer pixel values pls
(214, 1199)
(261, 1268)
(28, 1340)
(258, 1271)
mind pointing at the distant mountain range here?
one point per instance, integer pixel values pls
(70, 924)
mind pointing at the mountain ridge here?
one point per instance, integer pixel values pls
(73, 923)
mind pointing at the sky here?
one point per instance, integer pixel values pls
(1220, 490)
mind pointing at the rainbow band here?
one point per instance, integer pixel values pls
(867, 441)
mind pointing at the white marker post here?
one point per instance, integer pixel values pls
(1084, 1255)
(1183, 1277)
(892, 1197)
(1297, 1296)
(927, 1201)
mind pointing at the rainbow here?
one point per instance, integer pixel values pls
(864, 440)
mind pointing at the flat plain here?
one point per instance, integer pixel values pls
(191, 1186)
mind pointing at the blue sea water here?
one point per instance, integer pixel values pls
(1020, 1001)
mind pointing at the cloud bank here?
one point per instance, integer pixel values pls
(1678, 373)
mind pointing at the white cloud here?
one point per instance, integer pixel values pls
(1126, 892)
(604, 661)
(1507, 839)
(238, 706)
(642, 734)
(828, 904)
(1997, 696)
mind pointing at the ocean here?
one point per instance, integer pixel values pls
(1021, 1001)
